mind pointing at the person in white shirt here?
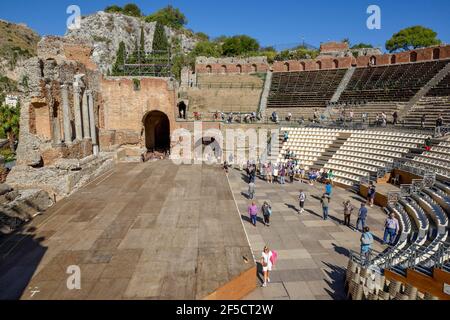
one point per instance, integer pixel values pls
(302, 199)
(391, 230)
(267, 265)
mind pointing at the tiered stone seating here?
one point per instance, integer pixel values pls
(304, 89)
(442, 89)
(438, 160)
(365, 153)
(398, 82)
(308, 144)
(431, 107)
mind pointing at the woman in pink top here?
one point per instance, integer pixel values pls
(253, 212)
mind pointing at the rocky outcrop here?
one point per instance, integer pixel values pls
(19, 207)
(64, 177)
(104, 32)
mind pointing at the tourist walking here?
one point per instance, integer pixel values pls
(282, 175)
(366, 246)
(325, 201)
(423, 120)
(302, 200)
(439, 125)
(371, 193)
(266, 262)
(269, 171)
(391, 230)
(253, 213)
(362, 217)
(328, 189)
(251, 190)
(395, 118)
(348, 211)
(267, 213)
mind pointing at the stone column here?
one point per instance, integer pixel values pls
(66, 114)
(86, 129)
(77, 111)
(92, 122)
(56, 131)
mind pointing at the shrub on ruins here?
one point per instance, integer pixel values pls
(160, 40)
(113, 9)
(361, 46)
(9, 123)
(412, 38)
(129, 9)
(239, 45)
(169, 16)
(207, 49)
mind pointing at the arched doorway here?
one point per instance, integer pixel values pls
(413, 57)
(393, 59)
(157, 131)
(319, 65)
(336, 64)
(436, 54)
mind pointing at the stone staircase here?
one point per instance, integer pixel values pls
(331, 151)
(343, 84)
(431, 107)
(265, 93)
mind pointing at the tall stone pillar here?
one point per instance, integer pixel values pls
(56, 131)
(86, 125)
(77, 110)
(66, 114)
(92, 122)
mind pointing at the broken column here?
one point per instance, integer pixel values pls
(77, 86)
(92, 122)
(66, 114)
(86, 129)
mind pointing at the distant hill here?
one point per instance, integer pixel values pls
(17, 42)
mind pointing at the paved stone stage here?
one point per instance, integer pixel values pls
(143, 231)
(313, 254)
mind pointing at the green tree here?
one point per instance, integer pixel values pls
(207, 49)
(239, 45)
(117, 69)
(142, 47)
(202, 36)
(114, 9)
(412, 38)
(160, 41)
(169, 16)
(132, 9)
(9, 122)
(361, 46)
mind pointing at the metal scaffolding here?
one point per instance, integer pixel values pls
(151, 64)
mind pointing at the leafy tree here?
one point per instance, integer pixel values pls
(239, 45)
(114, 9)
(160, 41)
(361, 46)
(142, 47)
(169, 16)
(207, 49)
(9, 122)
(412, 38)
(120, 60)
(132, 10)
(202, 36)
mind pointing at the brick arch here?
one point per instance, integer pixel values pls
(436, 54)
(393, 59)
(413, 56)
(239, 68)
(208, 69)
(302, 66)
(223, 69)
(335, 64)
(319, 65)
(287, 66)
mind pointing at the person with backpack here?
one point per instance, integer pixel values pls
(268, 260)
(267, 213)
(366, 245)
(325, 201)
(302, 200)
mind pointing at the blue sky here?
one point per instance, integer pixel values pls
(271, 22)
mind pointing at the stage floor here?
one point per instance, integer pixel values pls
(142, 231)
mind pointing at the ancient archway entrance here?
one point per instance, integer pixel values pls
(157, 131)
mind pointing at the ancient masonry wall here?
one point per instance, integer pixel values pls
(127, 102)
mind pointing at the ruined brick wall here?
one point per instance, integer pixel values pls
(125, 108)
(333, 47)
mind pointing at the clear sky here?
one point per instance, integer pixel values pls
(271, 22)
